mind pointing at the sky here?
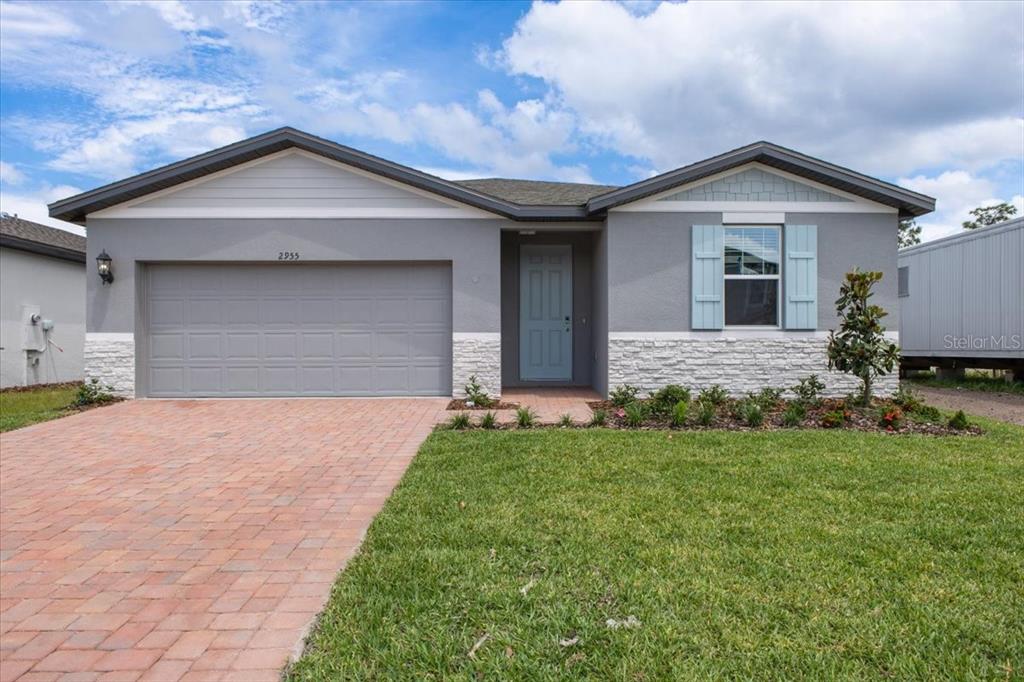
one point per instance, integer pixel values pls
(926, 95)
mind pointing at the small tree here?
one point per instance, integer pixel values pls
(909, 233)
(860, 347)
(990, 215)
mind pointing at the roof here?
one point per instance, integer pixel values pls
(25, 235)
(515, 199)
(537, 192)
(965, 236)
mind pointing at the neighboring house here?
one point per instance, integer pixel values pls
(962, 300)
(289, 265)
(42, 303)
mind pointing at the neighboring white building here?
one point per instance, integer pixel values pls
(962, 300)
(42, 303)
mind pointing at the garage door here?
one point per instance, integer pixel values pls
(298, 330)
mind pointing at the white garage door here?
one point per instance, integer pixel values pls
(298, 330)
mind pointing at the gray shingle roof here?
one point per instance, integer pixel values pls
(537, 192)
(17, 232)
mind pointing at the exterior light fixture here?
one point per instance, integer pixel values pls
(103, 267)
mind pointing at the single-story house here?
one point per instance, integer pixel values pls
(42, 303)
(962, 301)
(289, 265)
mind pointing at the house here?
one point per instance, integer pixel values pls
(962, 301)
(288, 265)
(42, 303)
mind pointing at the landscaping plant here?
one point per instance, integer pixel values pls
(835, 419)
(599, 417)
(794, 414)
(706, 411)
(664, 400)
(92, 393)
(525, 417)
(679, 413)
(489, 421)
(715, 395)
(891, 418)
(476, 396)
(565, 421)
(808, 390)
(751, 411)
(958, 421)
(860, 347)
(635, 413)
(458, 422)
(623, 395)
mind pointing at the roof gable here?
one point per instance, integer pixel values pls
(755, 184)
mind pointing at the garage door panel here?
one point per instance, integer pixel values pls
(291, 329)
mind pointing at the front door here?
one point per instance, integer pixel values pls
(545, 313)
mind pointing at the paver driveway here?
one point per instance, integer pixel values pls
(175, 540)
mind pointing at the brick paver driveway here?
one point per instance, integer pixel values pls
(173, 540)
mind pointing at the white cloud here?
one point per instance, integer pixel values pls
(957, 192)
(10, 175)
(883, 87)
(32, 205)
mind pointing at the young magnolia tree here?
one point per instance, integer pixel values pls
(860, 347)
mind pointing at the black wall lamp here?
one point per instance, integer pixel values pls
(103, 267)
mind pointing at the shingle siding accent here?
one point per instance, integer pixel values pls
(476, 354)
(110, 358)
(754, 185)
(739, 365)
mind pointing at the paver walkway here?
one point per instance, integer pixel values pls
(550, 403)
(191, 540)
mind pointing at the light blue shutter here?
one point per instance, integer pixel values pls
(801, 267)
(708, 269)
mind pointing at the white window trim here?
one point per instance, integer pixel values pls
(777, 277)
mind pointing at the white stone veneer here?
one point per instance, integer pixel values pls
(740, 365)
(476, 354)
(111, 359)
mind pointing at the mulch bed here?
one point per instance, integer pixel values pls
(40, 387)
(461, 406)
(856, 418)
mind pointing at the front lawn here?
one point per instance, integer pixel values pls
(812, 555)
(23, 407)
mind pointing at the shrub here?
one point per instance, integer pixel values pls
(92, 393)
(927, 413)
(476, 395)
(706, 411)
(635, 413)
(750, 411)
(679, 412)
(834, 419)
(767, 398)
(907, 399)
(565, 420)
(489, 421)
(525, 417)
(958, 421)
(458, 422)
(808, 390)
(599, 418)
(860, 347)
(664, 400)
(623, 395)
(716, 395)
(794, 414)
(891, 417)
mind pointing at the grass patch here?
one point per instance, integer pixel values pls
(972, 381)
(812, 555)
(23, 407)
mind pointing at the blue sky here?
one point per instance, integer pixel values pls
(928, 95)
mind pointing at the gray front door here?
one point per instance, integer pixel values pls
(298, 330)
(545, 313)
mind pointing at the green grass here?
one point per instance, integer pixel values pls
(790, 555)
(972, 381)
(21, 408)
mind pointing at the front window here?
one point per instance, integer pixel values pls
(752, 276)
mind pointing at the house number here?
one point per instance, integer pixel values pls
(288, 255)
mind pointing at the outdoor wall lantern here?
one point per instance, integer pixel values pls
(103, 267)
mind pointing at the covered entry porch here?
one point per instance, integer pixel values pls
(553, 309)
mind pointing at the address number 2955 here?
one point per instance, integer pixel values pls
(288, 255)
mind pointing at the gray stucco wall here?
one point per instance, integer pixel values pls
(57, 287)
(582, 306)
(600, 312)
(472, 246)
(649, 265)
